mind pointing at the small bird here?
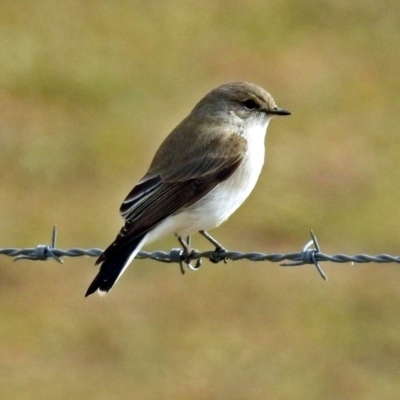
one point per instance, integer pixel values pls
(200, 175)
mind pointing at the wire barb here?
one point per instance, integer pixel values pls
(42, 252)
(309, 256)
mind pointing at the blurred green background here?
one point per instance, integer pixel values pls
(89, 89)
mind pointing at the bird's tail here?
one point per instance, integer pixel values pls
(115, 259)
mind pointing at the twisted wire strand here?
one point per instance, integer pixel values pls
(308, 255)
(46, 252)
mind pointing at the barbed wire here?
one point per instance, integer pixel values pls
(310, 254)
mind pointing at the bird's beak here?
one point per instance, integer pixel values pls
(279, 111)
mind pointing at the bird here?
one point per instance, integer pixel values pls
(202, 172)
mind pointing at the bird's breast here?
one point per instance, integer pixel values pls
(239, 186)
(217, 205)
(226, 198)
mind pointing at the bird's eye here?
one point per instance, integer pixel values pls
(250, 104)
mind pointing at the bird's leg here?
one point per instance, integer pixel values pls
(216, 257)
(185, 257)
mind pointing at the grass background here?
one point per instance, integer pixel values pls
(89, 89)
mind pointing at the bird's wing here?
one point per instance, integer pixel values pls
(180, 184)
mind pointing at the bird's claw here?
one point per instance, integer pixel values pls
(186, 257)
(217, 256)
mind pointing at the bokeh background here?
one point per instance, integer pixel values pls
(89, 89)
